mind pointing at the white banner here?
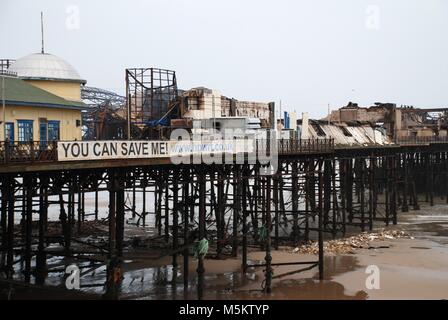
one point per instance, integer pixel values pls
(109, 150)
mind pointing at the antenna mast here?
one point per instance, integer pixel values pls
(42, 29)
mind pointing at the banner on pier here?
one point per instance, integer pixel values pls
(109, 150)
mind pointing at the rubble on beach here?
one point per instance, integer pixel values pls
(349, 245)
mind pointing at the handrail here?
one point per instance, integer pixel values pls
(33, 151)
(420, 140)
(298, 146)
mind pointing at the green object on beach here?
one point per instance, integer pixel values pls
(262, 233)
(201, 248)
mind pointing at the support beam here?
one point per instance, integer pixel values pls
(10, 242)
(41, 258)
(202, 230)
(186, 207)
(268, 257)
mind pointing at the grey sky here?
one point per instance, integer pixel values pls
(307, 53)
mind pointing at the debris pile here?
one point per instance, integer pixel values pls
(348, 245)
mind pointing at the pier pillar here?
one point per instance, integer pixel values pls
(133, 197)
(143, 215)
(236, 209)
(343, 186)
(267, 211)
(167, 209)
(116, 207)
(220, 212)
(372, 190)
(186, 207)
(158, 204)
(96, 202)
(175, 190)
(431, 179)
(202, 230)
(307, 187)
(120, 212)
(244, 217)
(327, 192)
(79, 222)
(41, 258)
(276, 210)
(404, 205)
(361, 191)
(320, 226)
(334, 195)
(3, 221)
(295, 202)
(63, 217)
(10, 229)
(395, 160)
(28, 193)
(349, 190)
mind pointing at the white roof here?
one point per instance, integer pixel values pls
(358, 135)
(45, 66)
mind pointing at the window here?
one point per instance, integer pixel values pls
(25, 130)
(9, 131)
(53, 130)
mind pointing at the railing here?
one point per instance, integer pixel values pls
(33, 151)
(8, 73)
(420, 140)
(298, 146)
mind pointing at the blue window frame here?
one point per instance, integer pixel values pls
(25, 129)
(53, 130)
(9, 131)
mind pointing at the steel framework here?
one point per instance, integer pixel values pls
(152, 97)
(232, 206)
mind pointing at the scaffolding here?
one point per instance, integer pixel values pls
(152, 97)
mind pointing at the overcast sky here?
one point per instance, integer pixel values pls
(307, 53)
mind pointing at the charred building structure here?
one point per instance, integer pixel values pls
(156, 105)
(404, 124)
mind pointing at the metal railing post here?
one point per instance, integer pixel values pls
(54, 151)
(32, 151)
(7, 151)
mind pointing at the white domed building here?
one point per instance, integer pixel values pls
(50, 73)
(43, 100)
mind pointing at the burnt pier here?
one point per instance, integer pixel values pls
(201, 210)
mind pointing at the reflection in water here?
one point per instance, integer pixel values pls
(304, 289)
(307, 289)
(166, 282)
(335, 265)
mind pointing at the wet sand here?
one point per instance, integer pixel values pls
(410, 268)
